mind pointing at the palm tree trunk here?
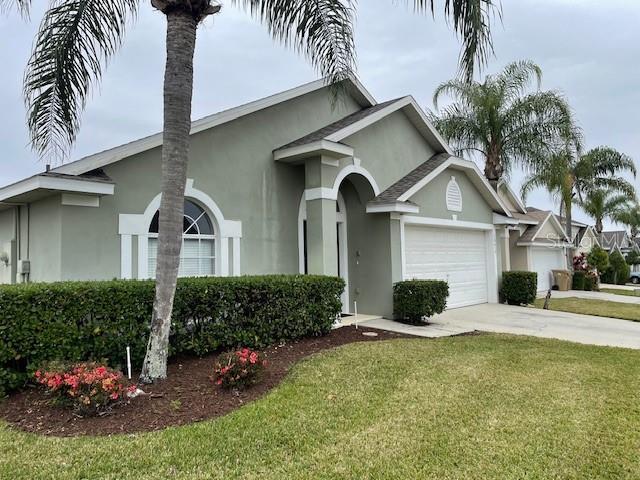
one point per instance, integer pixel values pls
(599, 226)
(493, 168)
(178, 91)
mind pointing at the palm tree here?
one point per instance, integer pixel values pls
(500, 120)
(629, 217)
(77, 37)
(568, 175)
(601, 203)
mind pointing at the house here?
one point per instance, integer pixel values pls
(533, 240)
(295, 182)
(586, 239)
(618, 240)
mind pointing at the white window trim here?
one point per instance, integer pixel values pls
(138, 225)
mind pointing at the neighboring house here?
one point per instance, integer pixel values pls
(618, 240)
(585, 240)
(291, 183)
(533, 240)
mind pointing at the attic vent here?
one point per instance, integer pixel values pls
(454, 196)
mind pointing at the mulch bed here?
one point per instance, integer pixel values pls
(188, 395)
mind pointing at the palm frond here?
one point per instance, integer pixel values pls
(608, 161)
(320, 29)
(517, 77)
(75, 39)
(23, 7)
(472, 22)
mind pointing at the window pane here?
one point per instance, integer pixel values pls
(204, 225)
(153, 228)
(153, 255)
(189, 267)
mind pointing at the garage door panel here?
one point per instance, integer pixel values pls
(455, 256)
(544, 260)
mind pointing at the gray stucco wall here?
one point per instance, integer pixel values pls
(390, 148)
(233, 164)
(432, 199)
(7, 244)
(45, 239)
(370, 272)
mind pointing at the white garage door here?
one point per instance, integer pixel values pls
(544, 260)
(457, 256)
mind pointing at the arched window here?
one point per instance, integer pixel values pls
(198, 253)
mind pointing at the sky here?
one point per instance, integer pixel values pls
(588, 50)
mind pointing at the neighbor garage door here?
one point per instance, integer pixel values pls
(457, 256)
(544, 260)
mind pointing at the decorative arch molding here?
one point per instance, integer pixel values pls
(332, 193)
(137, 225)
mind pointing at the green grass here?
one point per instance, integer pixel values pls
(615, 291)
(600, 308)
(487, 407)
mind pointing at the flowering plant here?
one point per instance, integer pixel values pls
(581, 264)
(88, 388)
(239, 369)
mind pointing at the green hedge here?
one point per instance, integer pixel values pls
(415, 300)
(578, 280)
(97, 320)
(519, 288)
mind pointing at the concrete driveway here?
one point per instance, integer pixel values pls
(609, 297)
(542, 323)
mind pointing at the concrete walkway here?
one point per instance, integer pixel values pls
(523, 321)
(433, 330)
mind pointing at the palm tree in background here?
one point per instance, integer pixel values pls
(77, 37)
(629, 216)
(568, 175)
(501, 121)
(601, 203)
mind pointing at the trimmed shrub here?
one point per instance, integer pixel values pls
(618, 271)
(590, 283)
(598, 258)
(414, 301)
(578, 280)
(84, 321)
(519, 288)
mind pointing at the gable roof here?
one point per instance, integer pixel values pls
(334, 127)
(613, 239)
(582, 233)
(338, 131)
(402, 190)
(512, 197)
(543, 217)
(112, 155)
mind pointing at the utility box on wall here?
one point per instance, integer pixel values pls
(24, 266)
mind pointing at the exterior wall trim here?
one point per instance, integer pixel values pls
(476, 177)
(490, 242)
(138, 225)
(116, 154)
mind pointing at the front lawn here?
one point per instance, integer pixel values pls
(600, 308)
(489, 407)
(619, 291)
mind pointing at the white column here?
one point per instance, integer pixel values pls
(143, 257)
(224, 257)
(236, 256)
(126, 257)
